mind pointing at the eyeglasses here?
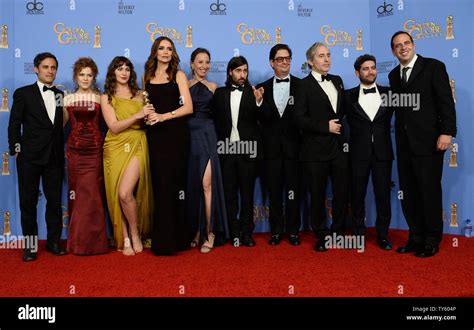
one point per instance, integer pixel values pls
(400, 45)
(281, 59)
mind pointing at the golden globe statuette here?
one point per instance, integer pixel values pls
(97, 37)
(452, 83)
(449, 28)
(65, 217)
(454, 215)
(4, 107)
(5, 167)
(278, 35)
(189, 37)
(6, 223)
(146, 100)
(4, 43)
(359, 40)
(453, 159)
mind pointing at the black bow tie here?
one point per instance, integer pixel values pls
(282, 80)
(369, 90)
(240, 88)
(46, 88)
(326, 77)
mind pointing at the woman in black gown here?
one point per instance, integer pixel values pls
(168, 144)
(205, 194)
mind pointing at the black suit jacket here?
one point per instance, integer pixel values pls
(313, 112)
(362, 129)
(247, 124)
(436, 114)
(31, 129)
(280, 135)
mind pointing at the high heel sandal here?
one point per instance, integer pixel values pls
(127, 247)
(208, 244)
(140, 245)
(195, 241)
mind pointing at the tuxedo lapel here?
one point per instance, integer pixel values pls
(319, 90)
(355, 103)
(381, 109)
(39, 99)
(245, 95)
(417, 68)
(269, 89)
(339, 96)
(227, 108)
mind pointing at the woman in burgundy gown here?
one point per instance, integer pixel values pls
(87, 232)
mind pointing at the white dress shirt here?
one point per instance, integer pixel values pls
(329, 88)
(409, 65)
(281, 94)
(49, 101)
(371, 102)
(235, 98)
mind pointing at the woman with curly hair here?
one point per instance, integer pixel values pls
(168, 140)
(126, 171)
(87, 233)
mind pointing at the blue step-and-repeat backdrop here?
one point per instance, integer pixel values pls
(442, 29)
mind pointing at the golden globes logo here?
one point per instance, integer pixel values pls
(4, 107)
(65, 216)
(257, 36)
(422, 30)
(449, 28)
(4, 41)
(454, 215)
(68, 35)
(6, 224)
(5, 166)
(337, 38)
(156, 31)
(453, 159)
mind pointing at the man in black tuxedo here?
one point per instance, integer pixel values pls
(35, 137)
(424, 130)
(236, 119)
(370, 149)
(281, 143)
(319, 112)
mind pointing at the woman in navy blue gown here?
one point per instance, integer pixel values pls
(205, 194)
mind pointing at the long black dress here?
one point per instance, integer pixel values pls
(168, 144)
(203, 150)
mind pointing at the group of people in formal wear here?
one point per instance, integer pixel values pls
(165, 184)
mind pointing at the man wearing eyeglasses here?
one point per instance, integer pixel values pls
(281, 141)
(324, 151)
(423, 133)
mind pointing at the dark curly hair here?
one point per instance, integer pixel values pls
(82, 63)
(111, 82)
(152, 62)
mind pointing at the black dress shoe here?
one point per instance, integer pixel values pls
(410, 247)
(427, 251)
(384, 244)
(55, 249)
(320, 246)
(29, 255)
(248, 241)
(275, 240)
(294, 240)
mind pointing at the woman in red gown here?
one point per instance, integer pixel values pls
(87, 231)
